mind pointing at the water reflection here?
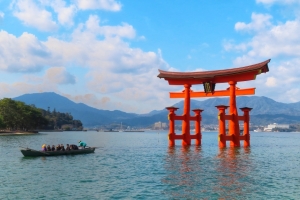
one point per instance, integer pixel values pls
(193, 173)
(233, 169)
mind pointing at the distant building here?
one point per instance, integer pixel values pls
(160, 125)
(278, 126)
(271, 127)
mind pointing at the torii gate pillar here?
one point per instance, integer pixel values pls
(246, 119)
(186, 116)
(234, 129)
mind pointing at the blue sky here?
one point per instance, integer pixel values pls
(107, 53)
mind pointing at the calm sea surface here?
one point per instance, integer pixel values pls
(142, 166)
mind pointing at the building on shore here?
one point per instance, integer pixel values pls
(160, 125)
(271, 127)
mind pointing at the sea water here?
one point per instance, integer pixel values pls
(140, 165)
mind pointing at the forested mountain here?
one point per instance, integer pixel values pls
(16, 115)
(265, 110)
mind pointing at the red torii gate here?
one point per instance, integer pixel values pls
(209, 80)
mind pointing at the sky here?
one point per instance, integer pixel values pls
(106, 53)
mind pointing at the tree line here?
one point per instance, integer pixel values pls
(16, 115)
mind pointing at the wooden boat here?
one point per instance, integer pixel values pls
(34, 153)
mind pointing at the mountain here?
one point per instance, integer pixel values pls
(265, 110)
(89, 116)
(260, 105)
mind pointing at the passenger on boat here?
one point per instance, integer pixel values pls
(73, 147)
(48, 148)
(53, 148)
(68, 147)
(58, 148)
(82, 144)
(62, 148)
(44, 148)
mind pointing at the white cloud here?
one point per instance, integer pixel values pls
(10, 90)
(92, 99)
(229, 46)
(259, 22)
(47, 15)
(59, 75)
(33, 15)
(92, 27)
(23, 54)
(281, 39)
(65, 14)
(271, 82)
(293, 94)
(110, 5)
(269, 2)
(120, 76)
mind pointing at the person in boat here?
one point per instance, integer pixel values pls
(58, 147)
(68, 147)
(48, 148)
(73, 147)
(62, 147)
(53, 148)
(44, 148)
(82, 144)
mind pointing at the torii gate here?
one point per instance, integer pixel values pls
(209, 80)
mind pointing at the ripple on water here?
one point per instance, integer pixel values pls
(141, 166)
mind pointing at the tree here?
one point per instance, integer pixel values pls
(2, 124)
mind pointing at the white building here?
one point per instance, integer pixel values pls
(160, 125)
(273, 126)
(278, 126)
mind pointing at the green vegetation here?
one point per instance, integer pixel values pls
(57, 120)
(16, 115)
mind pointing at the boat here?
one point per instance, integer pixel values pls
(111, 130)
(35, 153)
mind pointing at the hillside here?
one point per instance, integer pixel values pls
(265, 110)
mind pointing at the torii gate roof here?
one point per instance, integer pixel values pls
(245, 73)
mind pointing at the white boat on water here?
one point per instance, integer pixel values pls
(258, 130)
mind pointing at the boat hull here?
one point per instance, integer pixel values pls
(34, 153)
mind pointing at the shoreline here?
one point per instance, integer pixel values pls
(7, 133)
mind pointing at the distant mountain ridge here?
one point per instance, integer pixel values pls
(89, 116)
(265, 110)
